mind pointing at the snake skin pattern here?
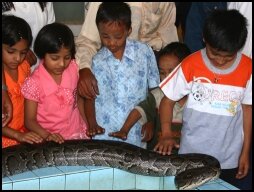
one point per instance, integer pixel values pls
(191, 170)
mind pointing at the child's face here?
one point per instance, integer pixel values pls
(56, 63)
(167, 63)
(14, 55)
(113, 36)
(219, 59)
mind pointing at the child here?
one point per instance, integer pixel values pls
(124, 70)
(218, 81)
(16, 40)
(168, 58)
(50, 92)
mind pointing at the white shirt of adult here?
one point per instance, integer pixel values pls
(32, 13)
(245, 8)
(152, 23)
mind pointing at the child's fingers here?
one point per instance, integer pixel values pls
(59, 138)
(56, 138)
(118, 134)
(35, 137)
(99, 130)
(112, 134)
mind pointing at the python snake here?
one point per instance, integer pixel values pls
(190, 170)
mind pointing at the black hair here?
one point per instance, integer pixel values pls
(14, 29)
(52, 37)
(117, 12)
(180, 50)
(225, 30)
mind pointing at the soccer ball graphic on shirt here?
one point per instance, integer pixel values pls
(197, 95)
(199, 90)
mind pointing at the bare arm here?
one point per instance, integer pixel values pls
(94, 128)
(87, 84)
(244, 161)
(32, 124)
(28, 137)
(81, 107)
(166, 141)
(87, 44)
(88, 41)
(31, 58)
(132, 118)
(6, 102)
(86, 49)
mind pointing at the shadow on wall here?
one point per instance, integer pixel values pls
(71, 14)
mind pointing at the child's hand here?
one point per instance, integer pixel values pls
(31, 58)
(4, 118)
(94, 130)
(119, 134)
(147, 131)
(55, 137)
(165, 145)
(29, 137)
(243, 167)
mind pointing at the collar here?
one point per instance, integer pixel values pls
(129, 51)
(48, 83)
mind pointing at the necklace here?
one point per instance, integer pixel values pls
(216, 78)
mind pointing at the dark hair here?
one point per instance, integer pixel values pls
(14, 29)
(225, 30)
(117, 12)
(180, 50)
(52, 37)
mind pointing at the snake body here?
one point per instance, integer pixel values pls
(190, 170)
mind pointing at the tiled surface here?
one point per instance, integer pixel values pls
(93, 178)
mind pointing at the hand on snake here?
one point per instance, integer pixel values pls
(190, 170)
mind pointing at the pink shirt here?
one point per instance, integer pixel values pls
(57, 110)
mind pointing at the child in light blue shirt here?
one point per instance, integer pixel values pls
(125, 70)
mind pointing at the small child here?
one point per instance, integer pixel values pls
(147, 111)
(53, 109)
(16, 41)
(125, 70)
(218, 81)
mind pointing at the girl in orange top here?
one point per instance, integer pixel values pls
(16, 40)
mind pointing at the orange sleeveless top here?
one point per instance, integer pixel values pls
(17, 99)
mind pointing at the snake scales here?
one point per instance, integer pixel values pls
(191, 170)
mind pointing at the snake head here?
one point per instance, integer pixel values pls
(193, 178)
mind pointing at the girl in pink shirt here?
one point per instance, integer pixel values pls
(53, 109)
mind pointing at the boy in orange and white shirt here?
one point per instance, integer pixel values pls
(218, 81)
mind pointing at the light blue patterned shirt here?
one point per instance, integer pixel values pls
(122, 85)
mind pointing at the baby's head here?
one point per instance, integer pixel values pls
(170, 56)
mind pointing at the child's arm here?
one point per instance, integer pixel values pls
(244, 161)
(6, 102)
(28, 137)
(31, 58)
(166, 141)
(145, 112)
(32, 124)
(93, 128)
(132, 118)
(81, 107)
